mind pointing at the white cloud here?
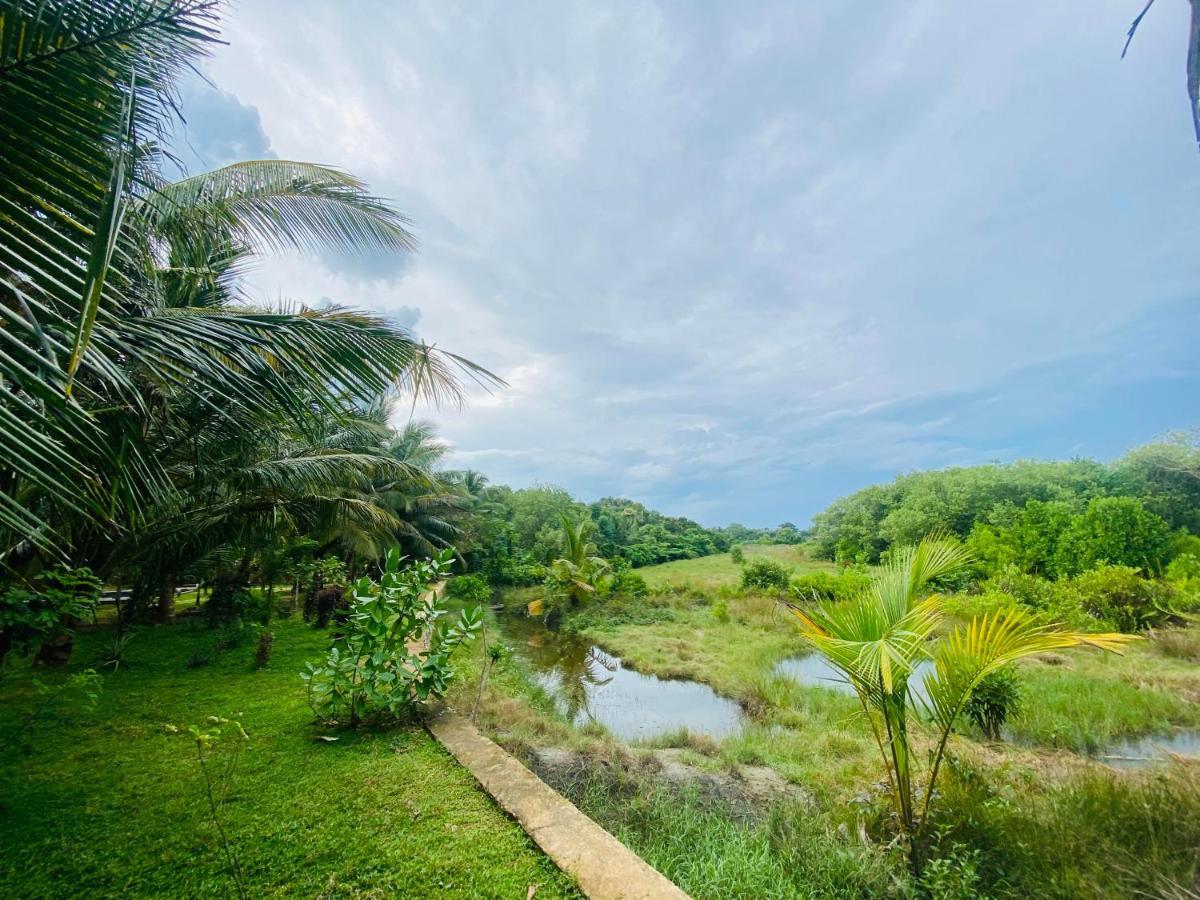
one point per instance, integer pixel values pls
(721, 256)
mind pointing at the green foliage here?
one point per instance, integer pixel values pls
(1163, 477)
(371, 669)
(876, 639)
(1184, 568)
(1117, 531)
(994, 701)
(32, 617)
(472, 589)
(1119, 594)
(823, 587)
(230, 600)
(737, 554)
(765, 575)
(953, 874)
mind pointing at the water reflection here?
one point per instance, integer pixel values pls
(814, 670)
(589, 685)
(1136, 753)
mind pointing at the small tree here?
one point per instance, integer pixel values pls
(737, 555)
(379, 664)
(765, 575)
(876, 639)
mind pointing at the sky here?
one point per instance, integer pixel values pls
(736, 260)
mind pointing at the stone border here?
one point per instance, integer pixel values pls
(604, 867)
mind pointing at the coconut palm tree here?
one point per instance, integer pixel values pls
(876, 640)
(122, 320)
(1193, 56)
(578, 571)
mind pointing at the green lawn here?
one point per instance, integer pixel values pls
(708, 572)
(105, 803)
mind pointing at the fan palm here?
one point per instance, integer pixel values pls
(876, 640)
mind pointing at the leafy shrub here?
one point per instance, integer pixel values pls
(1119, 594)
(370, 668)
(327, 601)
(824, 587)
(720, 611)
(737, 554)
(765, 575)
(1184, 567)
(994, 701)
(469, 589)
(1058, 600)
(230, 600)
(41, 619)
(628, 584)
(953, 875)
(1117, 531)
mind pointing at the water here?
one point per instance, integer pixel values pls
(590, 685)
(815, 671)
(1137, 753)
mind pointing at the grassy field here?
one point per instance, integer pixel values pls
(105, 803)
(709, 572)
(999, 799)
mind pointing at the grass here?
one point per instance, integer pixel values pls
(706, 573)
(105, 803)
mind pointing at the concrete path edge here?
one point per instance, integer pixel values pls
(604, 867)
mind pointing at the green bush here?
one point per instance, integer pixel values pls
(765, 575)
(473, 589)
(1058, 600)
(824, 587)
(1117, 531)
(370, 670)
(737, 554)
(1119, 594)
(41, 620)
(994, 701)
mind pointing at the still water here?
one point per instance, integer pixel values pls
(590, 685)
(814, 670)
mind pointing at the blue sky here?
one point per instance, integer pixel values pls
(737, 259)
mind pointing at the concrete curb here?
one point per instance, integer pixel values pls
(604, 867)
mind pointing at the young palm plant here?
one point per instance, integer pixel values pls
(877, 639)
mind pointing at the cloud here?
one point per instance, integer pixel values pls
(738, 262)
(218, 128)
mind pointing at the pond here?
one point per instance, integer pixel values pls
(1137, 753)
(590, 685)
(814, 670)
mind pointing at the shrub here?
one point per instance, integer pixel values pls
(765, 575)
(370, 669)
(1119, 594)
(1115, 530)
(994, 701)
(473, 589)
(326, 602)
(624, 583)
(824, 587)
(41, 620)
(1058, 600)
(737, 554)
(230, 599)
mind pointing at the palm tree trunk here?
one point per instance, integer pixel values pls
(165, 608)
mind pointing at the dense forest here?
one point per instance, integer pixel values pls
(1055, 518)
